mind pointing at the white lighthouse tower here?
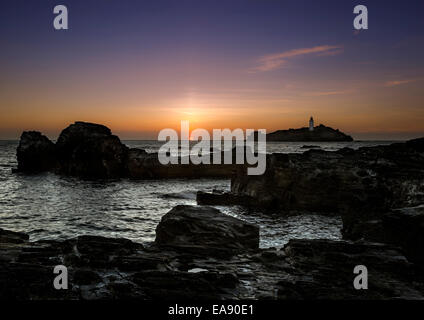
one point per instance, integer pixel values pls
(311, 124)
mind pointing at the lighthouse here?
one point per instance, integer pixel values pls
(311, 124)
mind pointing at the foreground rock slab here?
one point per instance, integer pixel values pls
(205, 227)
(199, 254)
(105, 269)
(323, 270)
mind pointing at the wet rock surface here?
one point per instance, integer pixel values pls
(106, 268)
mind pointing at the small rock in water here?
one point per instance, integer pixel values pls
(7, 236)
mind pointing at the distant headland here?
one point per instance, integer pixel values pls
(311, 133)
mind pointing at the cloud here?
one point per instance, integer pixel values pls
(330, 93)
(395, 83)
(276, 61)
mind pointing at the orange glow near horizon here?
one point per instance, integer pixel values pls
(215, 65)
(138, 105)
(271, 110)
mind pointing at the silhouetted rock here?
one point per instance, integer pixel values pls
(320, 133)
(91, 151)
(206, 227)
(223, 199)
(35, 153)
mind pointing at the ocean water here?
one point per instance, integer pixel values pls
(47, 206)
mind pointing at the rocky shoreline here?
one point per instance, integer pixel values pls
(200, 253)
(375, 190)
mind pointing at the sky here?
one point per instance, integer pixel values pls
(143, 66)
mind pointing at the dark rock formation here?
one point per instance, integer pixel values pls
(91, 151)
(35, 153)
(361, 186)
(7, 236)
(392, 177)
(205, 227)
(104, 268)
(368, 181)
(320, 133)
(220, 199)
(142, 165)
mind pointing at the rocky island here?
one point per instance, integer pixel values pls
(319, 133)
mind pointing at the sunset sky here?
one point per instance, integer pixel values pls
(141, 66)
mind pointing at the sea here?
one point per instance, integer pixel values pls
(49, 206)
